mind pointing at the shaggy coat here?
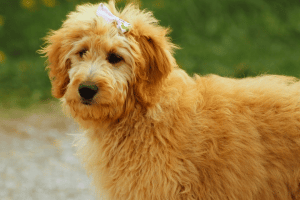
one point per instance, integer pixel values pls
(155, 133)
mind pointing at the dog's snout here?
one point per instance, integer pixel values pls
(87, 90)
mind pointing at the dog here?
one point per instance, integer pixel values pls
(152, 132)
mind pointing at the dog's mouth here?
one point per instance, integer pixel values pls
(86, 102)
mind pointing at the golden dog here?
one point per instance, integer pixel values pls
(155, 133)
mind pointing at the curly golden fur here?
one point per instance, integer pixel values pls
(155, 133)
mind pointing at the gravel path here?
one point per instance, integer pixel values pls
(37, 159)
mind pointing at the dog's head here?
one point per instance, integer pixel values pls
(100, 71)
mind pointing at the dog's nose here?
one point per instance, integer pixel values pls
(87, 90)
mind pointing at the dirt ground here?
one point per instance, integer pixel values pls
(37, 160)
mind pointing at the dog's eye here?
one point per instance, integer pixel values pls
(82, 52)
(114, 58)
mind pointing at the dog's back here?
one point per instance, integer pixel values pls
(248, 136)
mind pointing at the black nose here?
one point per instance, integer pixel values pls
(87, 90)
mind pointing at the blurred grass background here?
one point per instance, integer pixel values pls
(235, 38)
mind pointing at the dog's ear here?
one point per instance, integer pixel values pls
(154, 59)
(58, 64)
(156, 67)
(155, 62)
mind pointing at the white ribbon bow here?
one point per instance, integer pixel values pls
(104, 12)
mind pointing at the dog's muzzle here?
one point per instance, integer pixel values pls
(87, 91)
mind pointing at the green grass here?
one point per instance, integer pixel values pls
(235, 38)
(23, 82)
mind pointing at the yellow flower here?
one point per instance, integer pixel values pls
(27, 3)
(2, 57)
(49, 3)
(1, 20)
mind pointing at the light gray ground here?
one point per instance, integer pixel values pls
(37, 160)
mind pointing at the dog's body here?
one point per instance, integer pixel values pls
(153, 132)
